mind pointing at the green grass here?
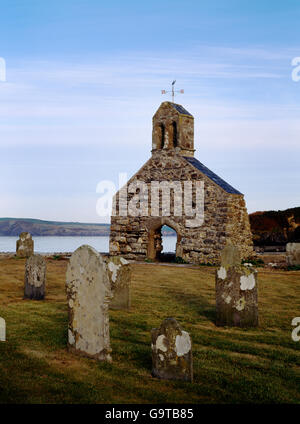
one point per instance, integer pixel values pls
(231, 365)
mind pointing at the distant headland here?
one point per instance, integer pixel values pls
(38, 227)
(268, 227)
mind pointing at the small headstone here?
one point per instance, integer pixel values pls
(293, 254)
(119, 272)
(171, 352)
(2, 330)
(35, 278)
(89, 294)
(236, 291)
(24, 245)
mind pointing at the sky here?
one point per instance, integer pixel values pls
(84, 78)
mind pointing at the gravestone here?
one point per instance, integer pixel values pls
(171, 352)
(293, 254)
(236, 291)
(2, 330)
(119, 273)
(24, 245)
(89, 293)
(35, 278)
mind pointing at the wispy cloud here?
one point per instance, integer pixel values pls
(204, 62)
(73, 100)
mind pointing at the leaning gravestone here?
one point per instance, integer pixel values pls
(89, 294)
(171, 352)
(2, 330)
(35, 278)
(24, 245)
(119, 273)
(293, 254)
(236, 291)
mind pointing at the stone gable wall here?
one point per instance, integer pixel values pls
(225, 217)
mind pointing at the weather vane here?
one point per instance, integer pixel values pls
(172, 91)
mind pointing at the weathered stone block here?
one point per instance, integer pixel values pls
(35, 278)
(171, 352)
(119, 273)
(114, 246)
(236, 291)
(89, 294)
(24, 247)
(293, 254)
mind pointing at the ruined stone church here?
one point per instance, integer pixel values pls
(225, 218)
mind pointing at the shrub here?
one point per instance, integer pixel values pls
(179, 260)
(254, 261)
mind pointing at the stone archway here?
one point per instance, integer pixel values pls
(155, 238)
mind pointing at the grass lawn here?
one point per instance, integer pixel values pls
(231, 365)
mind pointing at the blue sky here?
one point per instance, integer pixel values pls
(84, 80)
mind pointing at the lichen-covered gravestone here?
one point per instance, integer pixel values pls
(2, 330)
(119, 272)
(24, 245)
(35, 278)
(89, 293)
(171, 352)
(293, 254)
(236, 291)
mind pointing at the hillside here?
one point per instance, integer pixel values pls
(268, 228)
(37, 227)
(14, 226)
(275, 227)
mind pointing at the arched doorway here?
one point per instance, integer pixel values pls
(168, 237)
(156, 249)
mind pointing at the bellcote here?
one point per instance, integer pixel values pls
(173, 128)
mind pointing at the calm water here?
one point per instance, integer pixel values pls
(69, 244)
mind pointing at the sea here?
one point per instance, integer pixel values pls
(69, 244)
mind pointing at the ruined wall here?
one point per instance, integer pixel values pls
(225, 217)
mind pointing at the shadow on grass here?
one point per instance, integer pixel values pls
(197, 304)
(34, 381)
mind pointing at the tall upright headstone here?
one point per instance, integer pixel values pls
(35, 278)
(24, 247)
(89, 294)
(171, 352)
(236, 291)
(119, 273)
(2, 330)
